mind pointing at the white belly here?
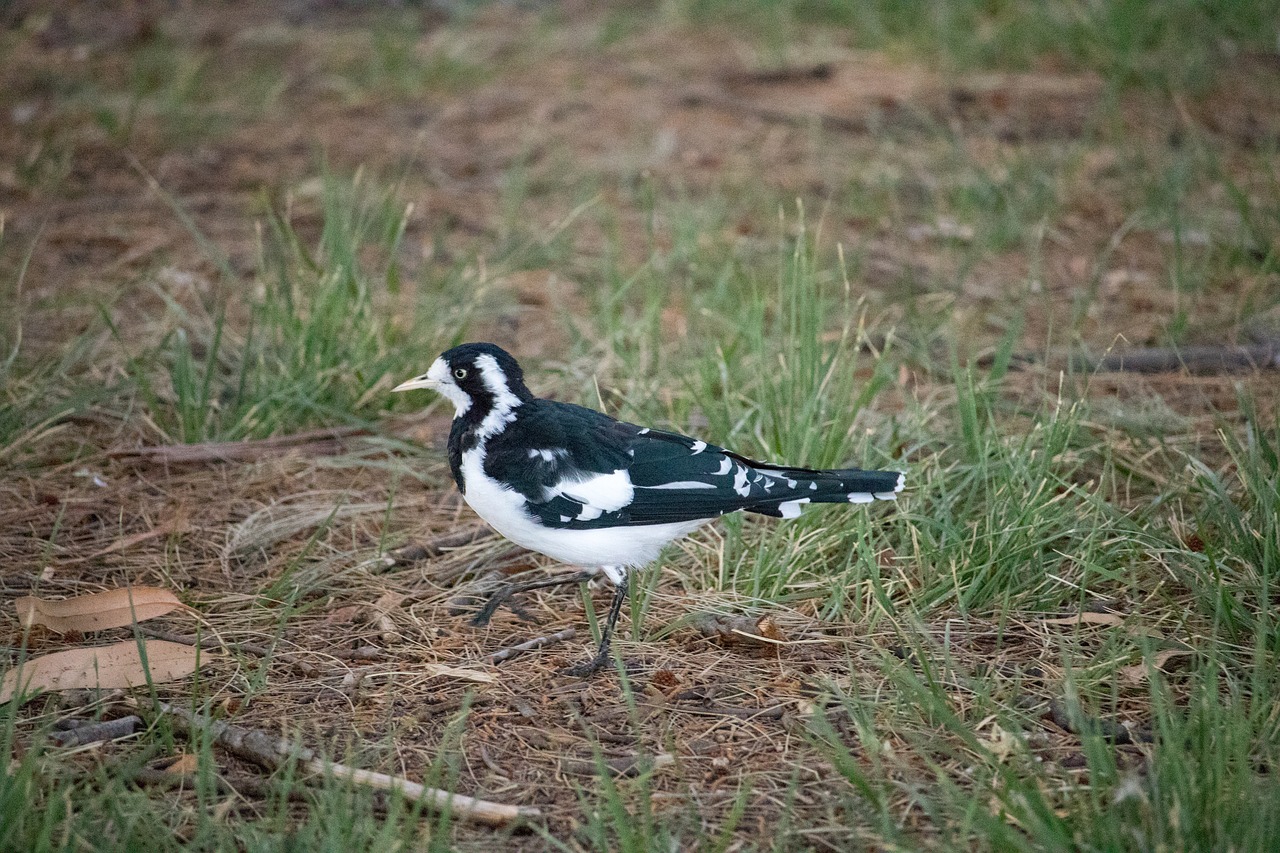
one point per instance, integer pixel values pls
(503, 508)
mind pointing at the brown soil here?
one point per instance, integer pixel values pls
(695, 110)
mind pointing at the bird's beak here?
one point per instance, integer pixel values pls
(416, 383)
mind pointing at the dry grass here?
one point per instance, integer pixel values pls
(603, 198)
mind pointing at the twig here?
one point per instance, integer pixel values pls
(176, 524)
(271, 752)
(320, 442)
(1080, 723)
(1208, 360)
(364, 653)
(627, 765)
(418, 551)
(93, 732)
(207, 643)
(789, 74)
(213, 643)
(535, 643)
(1202, 359)
(773, 712)
(720, 100)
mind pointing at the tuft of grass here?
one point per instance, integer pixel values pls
(314, 341)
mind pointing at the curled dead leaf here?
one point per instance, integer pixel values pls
(99, 611)
(761, 631)
(103, 667)
(1137, 674)
(460, 674)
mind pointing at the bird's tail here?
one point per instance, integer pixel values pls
(795, 487)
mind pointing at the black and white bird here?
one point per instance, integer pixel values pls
(598, 493)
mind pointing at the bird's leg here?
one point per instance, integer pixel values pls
(594, 665)
(499, 596)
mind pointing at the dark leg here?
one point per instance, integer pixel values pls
(594, 665)
(495, 601)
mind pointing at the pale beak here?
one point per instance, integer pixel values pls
(416, 383)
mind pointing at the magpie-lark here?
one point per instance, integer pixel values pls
(597, 493)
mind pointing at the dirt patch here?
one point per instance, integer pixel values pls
(100, 153)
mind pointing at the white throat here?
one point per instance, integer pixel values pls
(438, 373)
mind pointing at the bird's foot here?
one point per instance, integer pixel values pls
(588, 669)
(491, 607)
(500, 596)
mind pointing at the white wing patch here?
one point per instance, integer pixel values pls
(740, 482)
(698, 447)
(599, 494)
(860, 497)
(725, 466)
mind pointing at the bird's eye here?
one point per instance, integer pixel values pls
(459, 373)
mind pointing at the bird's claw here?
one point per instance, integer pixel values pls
(491, 607)
(588, 668)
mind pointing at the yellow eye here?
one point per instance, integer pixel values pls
(459, 373)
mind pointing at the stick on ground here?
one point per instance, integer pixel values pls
(535, 643)
(271, 752)
(94, 732)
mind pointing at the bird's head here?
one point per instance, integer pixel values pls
(475, 378)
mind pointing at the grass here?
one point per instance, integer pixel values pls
(932, 653)
(1128, 42)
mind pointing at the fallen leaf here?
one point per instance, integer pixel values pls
(114, 666)
(1087, 618)
(389, 601)
(762, 630)
(344, 615)
(767, 627)
(1001, 743)
(112, 609)
(460, 673)
(187, 763)
(1137, 674)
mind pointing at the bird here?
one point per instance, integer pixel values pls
(598, 493)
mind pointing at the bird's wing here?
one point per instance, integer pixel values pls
(578, 469)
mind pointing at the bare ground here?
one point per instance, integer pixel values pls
(694, 110)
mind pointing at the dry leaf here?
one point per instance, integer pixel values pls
(1087, 618)
(761, 631)
(187, 763)
(389, 601)
(344, 615)
(767, 627)
(460, 673)
(112, 609)
(1137, 674)
(115, 666)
